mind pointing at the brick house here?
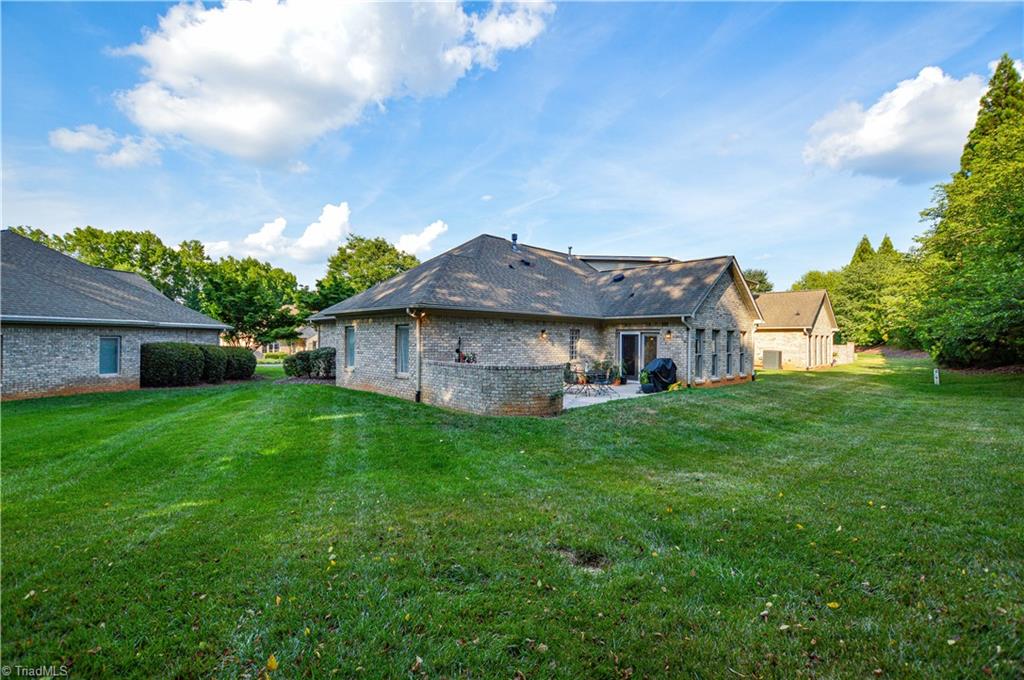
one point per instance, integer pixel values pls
(799, 324)
(520, 313)
(68, 327)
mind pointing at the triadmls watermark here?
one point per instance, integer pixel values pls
(61, 671)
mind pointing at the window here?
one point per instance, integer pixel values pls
(730, 347)
(110, 356)
(402, 348)
(350, 346)
(743, 346)
(574, 343)
(698, 352)
(714, 352)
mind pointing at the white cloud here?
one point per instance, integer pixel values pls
(216, 249)
(82, 138)
(487, 197)
(268, 240)
(263, 79)
(134, 151)
(298, 168)
(421, 242)
(914, 132)
(319, 239)
(325, 235)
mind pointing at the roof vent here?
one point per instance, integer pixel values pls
(515, 242)
(618, 277)
(570, 253)
(525, 261)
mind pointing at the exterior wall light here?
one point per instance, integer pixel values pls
(668, 334)
(544, 334)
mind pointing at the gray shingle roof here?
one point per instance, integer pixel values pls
(42, 285)
(487, 275)
(792, 309)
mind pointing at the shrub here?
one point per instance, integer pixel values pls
(275, 355)
(215, 363)
(317, 363)
(297, 365)
(170, 364)
(322, 362)
(241, 363)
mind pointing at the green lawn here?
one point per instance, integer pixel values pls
(827, 524)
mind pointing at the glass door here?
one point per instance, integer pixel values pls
(650, 348)
(629, 353)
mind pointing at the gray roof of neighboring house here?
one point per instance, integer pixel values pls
(793, 309)
(41, 285)
(487, 275)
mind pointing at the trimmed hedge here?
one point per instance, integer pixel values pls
(241, 363)
(317, 363)
(215, 363)
(275, 355)
(170, 364)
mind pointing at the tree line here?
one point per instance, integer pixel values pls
(959, 292)
(262, 303)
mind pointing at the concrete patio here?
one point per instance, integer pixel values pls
(627, 391)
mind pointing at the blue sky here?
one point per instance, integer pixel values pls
(776, 132)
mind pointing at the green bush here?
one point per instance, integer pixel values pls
(170, 364)
(215, 363)
(275, 355)
(317, 363)
(297, 365)
(241, 363)
(321, 362)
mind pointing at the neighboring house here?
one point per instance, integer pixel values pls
(800, 325)
(523, 312)
(308, 339)
(68, 327)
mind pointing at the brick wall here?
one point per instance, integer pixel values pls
(515, 342)
(724, 310)
(793, 345)
(52, 360)
(494, 390)
(844, 354)
(375, 365)
(820, 353)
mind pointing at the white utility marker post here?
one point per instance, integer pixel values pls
(935, 376)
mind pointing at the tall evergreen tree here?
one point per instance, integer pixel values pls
(886, 247)
(1002, 103)
(864, 251)
(758, 281)
(970, 307)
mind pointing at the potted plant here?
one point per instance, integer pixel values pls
(616, 375)
(646, 386)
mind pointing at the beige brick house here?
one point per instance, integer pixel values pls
(489, 325)
(800, 325)
(68, 327)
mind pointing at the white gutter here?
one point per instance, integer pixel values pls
(689, 340)
(419, 349)
(82, 321)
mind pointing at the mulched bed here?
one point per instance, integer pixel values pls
(304, 381)
(255, 378)
(1003, 370)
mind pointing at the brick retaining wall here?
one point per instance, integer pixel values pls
(494, 390)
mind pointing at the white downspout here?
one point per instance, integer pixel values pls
(689, 342)
(419, 351)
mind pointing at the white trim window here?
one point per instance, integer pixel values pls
(730, 347)
(715, 333)
(743, 349)
(350, 346)
(574, 344)
(402, 349)
(698, 352)
(110, 355)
